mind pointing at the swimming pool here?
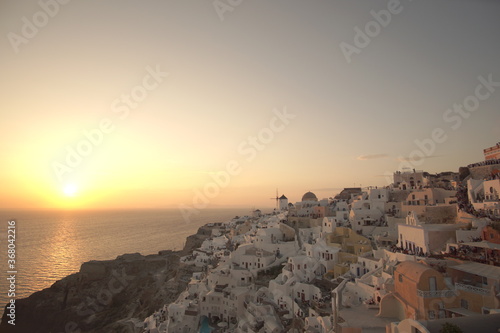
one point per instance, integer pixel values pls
(205, 328)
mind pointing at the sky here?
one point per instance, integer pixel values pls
(199, 104)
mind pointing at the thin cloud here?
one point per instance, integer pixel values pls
(327, 189)
(418, 158)
(371, 157)
(383, 176)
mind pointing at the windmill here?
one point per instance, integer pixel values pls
(277, 200)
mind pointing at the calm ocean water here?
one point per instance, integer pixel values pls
(53, 244)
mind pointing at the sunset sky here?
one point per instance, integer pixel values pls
(162, 96)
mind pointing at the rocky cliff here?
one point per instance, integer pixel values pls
(107, 296)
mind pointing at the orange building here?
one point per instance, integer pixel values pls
(492, 235)
(421, 292)
(492, 153)
(418, 294)
(477, 286)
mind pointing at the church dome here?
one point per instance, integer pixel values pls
(309, 196)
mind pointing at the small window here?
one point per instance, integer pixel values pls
(485, 281)
(464, 304)
(432, 315)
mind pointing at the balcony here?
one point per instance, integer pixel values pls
(435, 293)
(472, 289)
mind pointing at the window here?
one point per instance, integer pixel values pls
(485, 281)
(432, 283)
(432, 315)
(400, 277)
(464, 304)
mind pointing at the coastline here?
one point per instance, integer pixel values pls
(108, 295)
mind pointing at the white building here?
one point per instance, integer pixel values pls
(485, 194)
(252, 258)
(368, 209)
(421, 238)
(406, 180)
(283, 203)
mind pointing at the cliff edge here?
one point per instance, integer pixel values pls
(107, 296)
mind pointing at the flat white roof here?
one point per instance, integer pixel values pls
(476, 268)
(463, 312)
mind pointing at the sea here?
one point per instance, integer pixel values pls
(50, 244)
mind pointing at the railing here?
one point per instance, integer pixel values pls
(435, 293)
(451, 293)
(472, 289)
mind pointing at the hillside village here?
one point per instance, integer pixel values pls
(418, 255)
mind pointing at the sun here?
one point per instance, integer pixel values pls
(70, 190)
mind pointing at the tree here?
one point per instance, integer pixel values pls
(450, 328)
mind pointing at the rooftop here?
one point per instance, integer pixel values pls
(362, 316)
(412, 270)
(478, 323)
(309, 196)
(476, 268)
